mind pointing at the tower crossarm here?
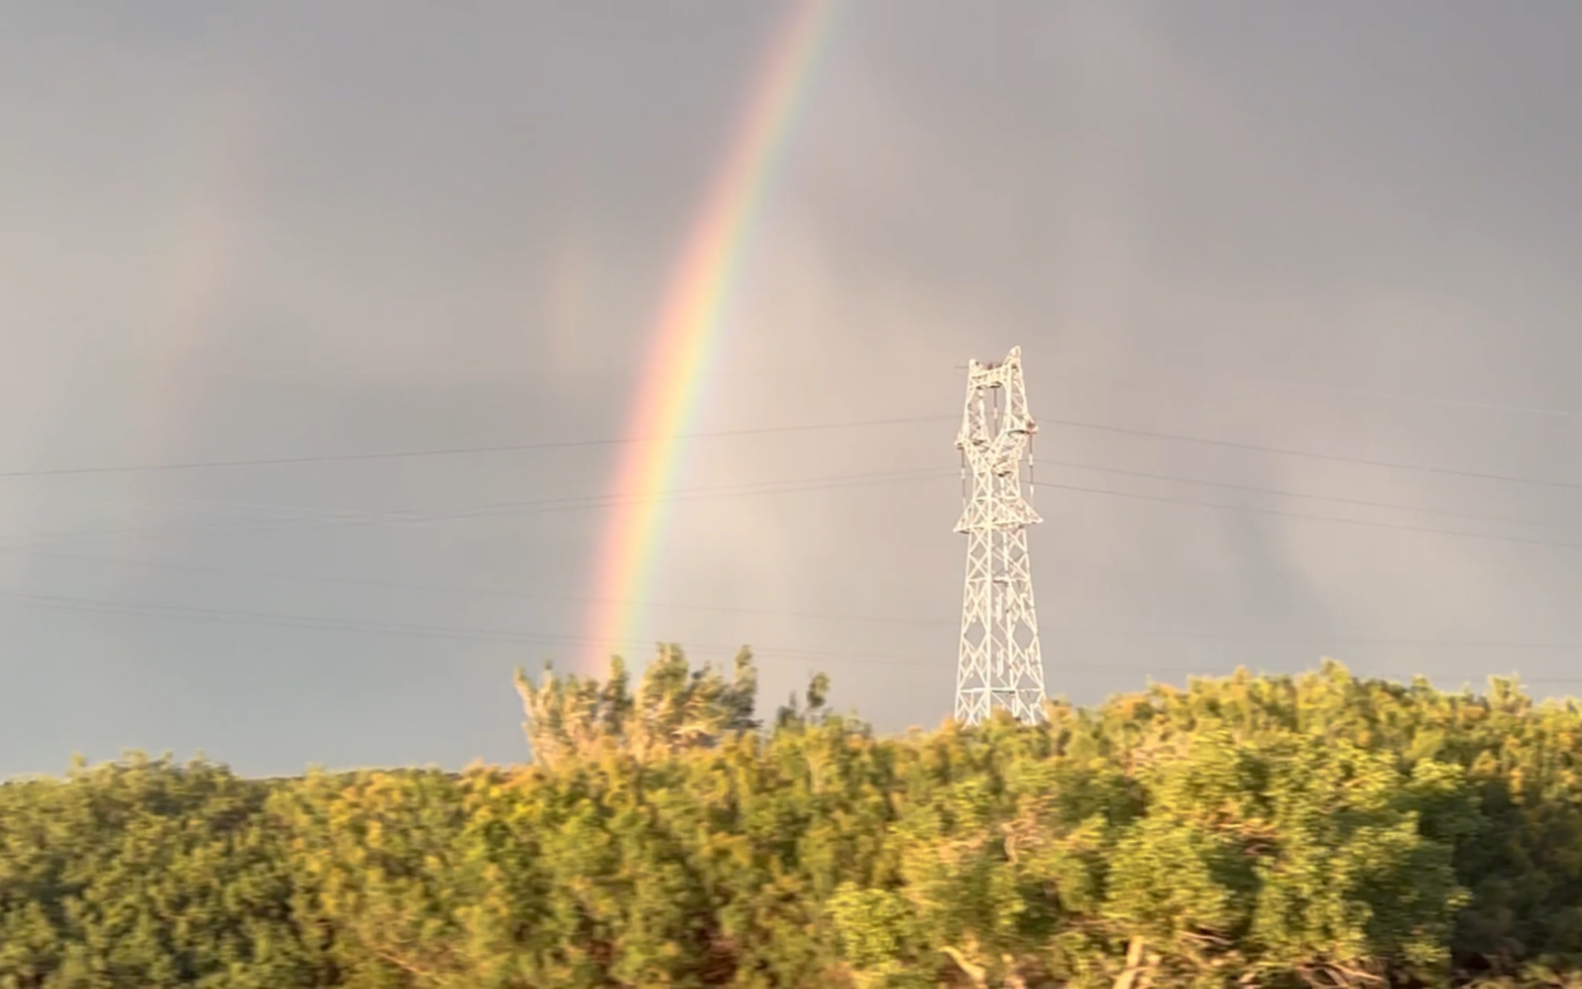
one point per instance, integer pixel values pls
(996, 434)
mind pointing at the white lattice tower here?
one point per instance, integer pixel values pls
(1000, 665)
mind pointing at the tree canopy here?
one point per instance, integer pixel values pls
(1316, 830)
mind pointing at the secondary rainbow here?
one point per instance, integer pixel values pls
(686, 331)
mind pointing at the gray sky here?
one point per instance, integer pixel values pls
(249, 231)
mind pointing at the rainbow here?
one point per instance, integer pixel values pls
(687, 328)
(205, 240)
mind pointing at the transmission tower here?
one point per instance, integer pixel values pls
(1000, 666)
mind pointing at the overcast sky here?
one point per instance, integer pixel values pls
(288, 230)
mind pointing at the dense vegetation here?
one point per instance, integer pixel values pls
(1248, 831)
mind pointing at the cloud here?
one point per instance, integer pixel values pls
(1254, 224)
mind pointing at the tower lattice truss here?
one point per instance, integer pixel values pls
(1000, 665)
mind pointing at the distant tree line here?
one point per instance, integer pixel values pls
(1315, 831)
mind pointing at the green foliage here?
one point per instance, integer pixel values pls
(145, 874)
(675, 708)
(1247, 831)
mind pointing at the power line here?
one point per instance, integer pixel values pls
(772, 487)
(342, 519)
(1317, 518)
(455, 451)
(469, 634)
(324, 623)
(612, 500)
(1333, 458)
(1197, 375)
(1395, 506)
(612, 441)
(801, 615)
(515, 508)
(468, 590)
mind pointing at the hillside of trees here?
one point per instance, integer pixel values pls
(1310, 831)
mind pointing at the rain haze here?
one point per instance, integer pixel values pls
(1295, 286)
